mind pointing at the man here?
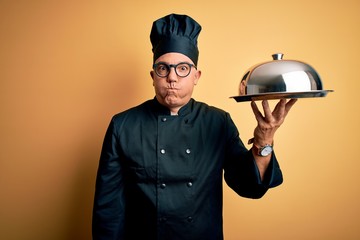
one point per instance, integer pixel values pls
(161, 166)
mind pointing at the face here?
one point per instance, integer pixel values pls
(174, 91)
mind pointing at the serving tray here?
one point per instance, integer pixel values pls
(281, 95)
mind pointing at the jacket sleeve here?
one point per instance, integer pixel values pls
(108, 209)
(240, 169)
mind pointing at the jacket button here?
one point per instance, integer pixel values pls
(188, 151)
(162, 151)
(164, 119)
(190, 219)
(163, 185)
(189, 184)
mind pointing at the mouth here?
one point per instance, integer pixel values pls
(171, 91)
(172, 88)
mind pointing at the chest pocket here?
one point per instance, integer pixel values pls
(140, 175)
(139, 152)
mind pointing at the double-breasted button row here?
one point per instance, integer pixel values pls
(163, 151)
(164, 119)
(188, 184)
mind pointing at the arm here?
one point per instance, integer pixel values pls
(108, 210)
(266, 128)
(241, 172)
(247, 173)
(243, 176)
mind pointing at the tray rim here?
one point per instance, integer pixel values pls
(281, 95)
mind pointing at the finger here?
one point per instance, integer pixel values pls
(280, 107)
(283, 107)
(256, 111)
(289, 104)
(267, 110)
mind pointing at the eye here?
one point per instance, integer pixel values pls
(161, 68)
(182, 68)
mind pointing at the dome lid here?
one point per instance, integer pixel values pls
(280, 78)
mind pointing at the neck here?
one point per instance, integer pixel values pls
(174, 111)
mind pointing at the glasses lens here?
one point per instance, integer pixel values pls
(183, 69)
(162, 70)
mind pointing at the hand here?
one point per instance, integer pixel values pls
(270, 121)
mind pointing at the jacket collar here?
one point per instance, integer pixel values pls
(160, 109)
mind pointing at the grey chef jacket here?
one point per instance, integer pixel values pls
(160, 176)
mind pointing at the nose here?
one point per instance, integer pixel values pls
(172, 77)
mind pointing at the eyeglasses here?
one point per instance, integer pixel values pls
(182, 69)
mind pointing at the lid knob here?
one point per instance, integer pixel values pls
(277, 56)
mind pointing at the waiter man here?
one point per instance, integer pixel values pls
(162, 163)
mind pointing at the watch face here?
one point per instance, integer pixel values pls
(265, 151)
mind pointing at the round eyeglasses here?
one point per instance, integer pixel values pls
(182, 69)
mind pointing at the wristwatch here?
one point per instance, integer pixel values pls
(262, 151)
(265, 150)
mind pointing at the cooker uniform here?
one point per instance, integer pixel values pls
(160, 176)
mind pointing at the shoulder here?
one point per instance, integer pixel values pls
(131, 115)
(216, 120)
(139, 109)
(211, 115)
(209, 110)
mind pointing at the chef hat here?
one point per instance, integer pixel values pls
(175, 33)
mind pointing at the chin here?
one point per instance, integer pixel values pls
(172, 102)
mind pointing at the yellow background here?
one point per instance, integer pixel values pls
(67, 67)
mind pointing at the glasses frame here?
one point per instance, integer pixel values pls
(169, 66)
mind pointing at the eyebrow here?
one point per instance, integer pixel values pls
(173, 64)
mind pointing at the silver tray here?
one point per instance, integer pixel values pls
(281, 95)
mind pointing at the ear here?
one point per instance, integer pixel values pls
(197, 77)
(152, 75)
